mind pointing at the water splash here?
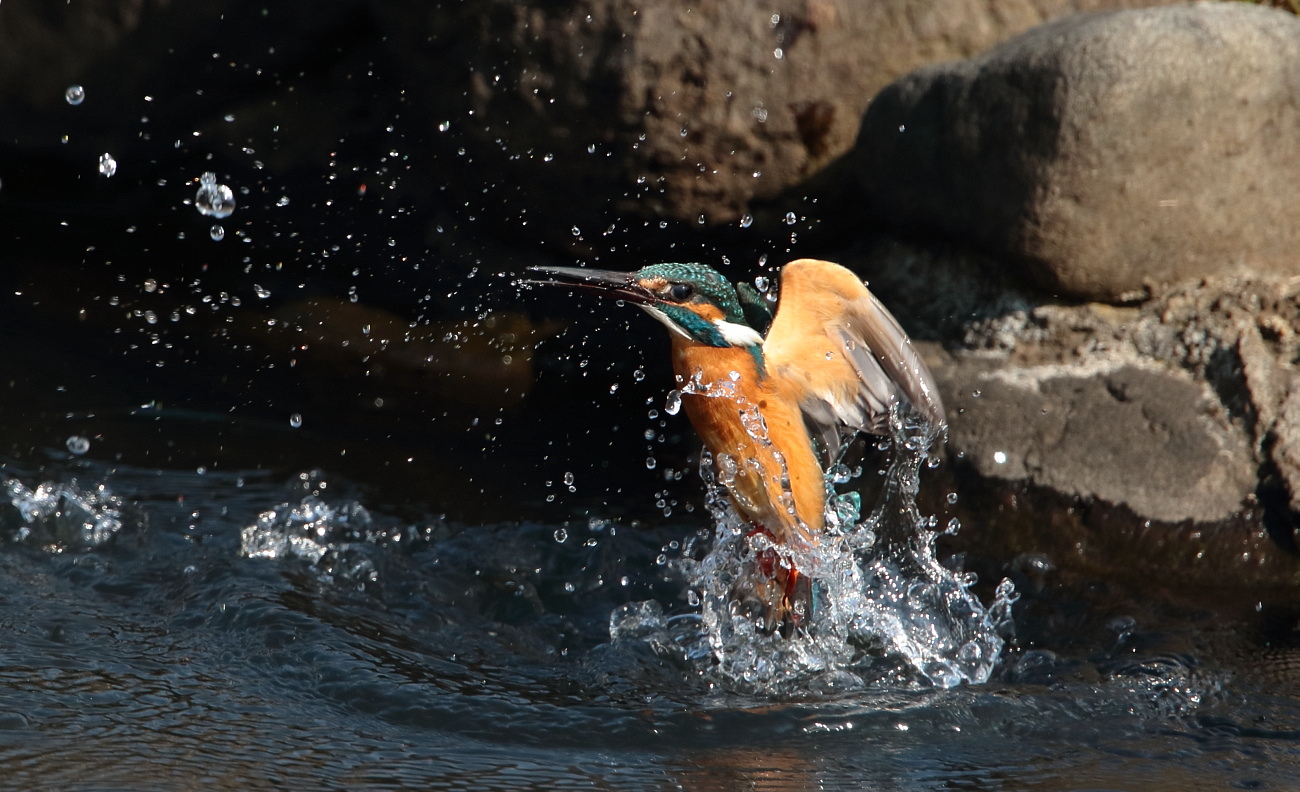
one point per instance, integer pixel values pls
(212, 199)
(883, 610)
(78, 445)
(61, 516)
(322, 534)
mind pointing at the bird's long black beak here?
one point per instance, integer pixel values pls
(607, 283)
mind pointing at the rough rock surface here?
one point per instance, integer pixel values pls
(1110, 153)
(1176, 408)
(1137, 436)
(675, 109)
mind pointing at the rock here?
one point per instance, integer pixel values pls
(1134, 435)
(1107, 153)
(1286, 449)
(1180, 408)
(684, 111)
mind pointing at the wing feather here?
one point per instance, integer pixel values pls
(843, 355)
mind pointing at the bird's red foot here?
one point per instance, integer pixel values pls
(775, 590)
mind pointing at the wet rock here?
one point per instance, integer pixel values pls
(690, 112)
(484, 362)
(1108, 154)
(1286, 451)
(1179, 408)
(1137, 436)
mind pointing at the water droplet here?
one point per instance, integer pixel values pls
(107, 165)
(261, 291)
(568, 479)
(217, 233)
(650, 463)
(284, 201)
(444, 126)
(576, 231)
(212, 199)
(747, 220)
(561, 535)
(75, 94)
(295, 420)
(1000, 457)
(674, 403)
(790, 218)
(638, 375)
(78, 445)
(692, 598)
(952, 498)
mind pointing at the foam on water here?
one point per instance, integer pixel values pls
(883, 609)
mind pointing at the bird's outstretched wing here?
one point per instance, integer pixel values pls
(843, 355)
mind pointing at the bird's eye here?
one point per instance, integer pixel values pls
(681, 292)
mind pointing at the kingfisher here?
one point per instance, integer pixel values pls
(774, 396)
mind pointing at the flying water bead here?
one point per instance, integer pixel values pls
(212, 199)
(78, 445)
(107, 165)
(674, 402)
(217, 233)
(75, 94)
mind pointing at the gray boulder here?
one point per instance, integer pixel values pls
(1106, 153)
(1134, 435)
(1184, 408)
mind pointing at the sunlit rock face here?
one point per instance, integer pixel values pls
(1106, 155)
(685, 111)
(1147, 438)
(1178, 409)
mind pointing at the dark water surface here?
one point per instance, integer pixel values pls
(149, 643)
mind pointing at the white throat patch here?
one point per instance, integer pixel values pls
(738, 335)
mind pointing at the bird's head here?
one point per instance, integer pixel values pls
(692, 300)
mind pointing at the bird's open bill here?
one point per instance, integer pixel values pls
(608, 283)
